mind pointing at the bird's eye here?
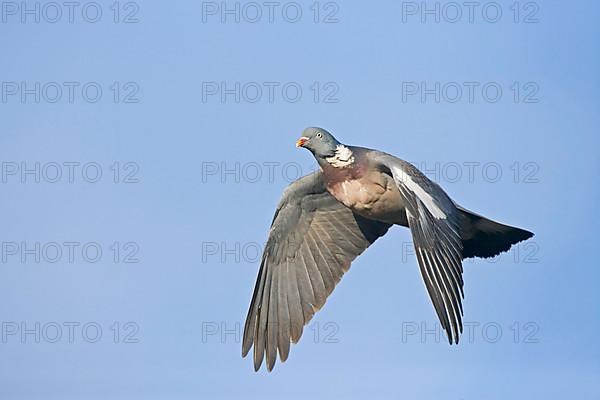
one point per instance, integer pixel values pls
(319, 135)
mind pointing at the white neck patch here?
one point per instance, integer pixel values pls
(343, 157)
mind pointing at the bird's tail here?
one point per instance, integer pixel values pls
(482, 237)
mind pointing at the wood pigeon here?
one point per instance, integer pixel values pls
(326, 219)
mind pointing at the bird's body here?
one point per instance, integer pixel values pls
(365, 190)
(327, 219)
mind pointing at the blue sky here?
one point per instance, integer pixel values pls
(190, 178)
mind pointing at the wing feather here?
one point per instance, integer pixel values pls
(312, 241)
(434, 222)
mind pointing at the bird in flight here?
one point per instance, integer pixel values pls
(326, 219)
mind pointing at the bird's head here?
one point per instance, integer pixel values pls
(320, 142)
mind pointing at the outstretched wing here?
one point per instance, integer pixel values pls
(312, 241)
(435, 226)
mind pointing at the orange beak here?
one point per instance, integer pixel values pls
(300, 142)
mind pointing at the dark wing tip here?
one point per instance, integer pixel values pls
(257, 361)
(271, 364)
(247, 340)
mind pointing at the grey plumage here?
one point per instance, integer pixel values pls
(326, 219)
